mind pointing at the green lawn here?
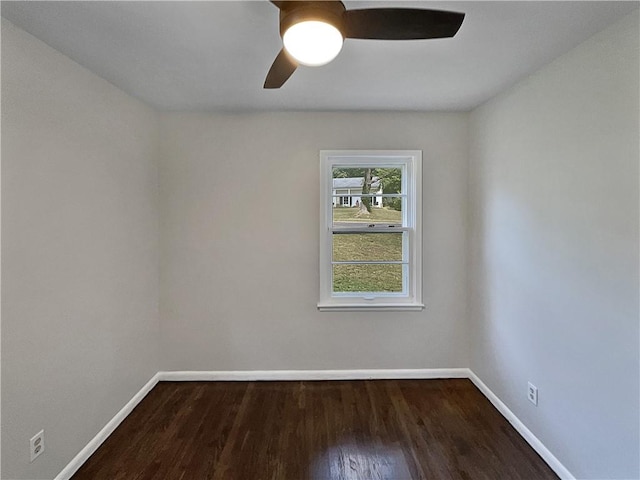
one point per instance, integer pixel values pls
(367, 246)
(381, 215)
(367, 278)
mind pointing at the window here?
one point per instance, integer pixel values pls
(370, 239)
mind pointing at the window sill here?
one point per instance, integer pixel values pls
(367, 307)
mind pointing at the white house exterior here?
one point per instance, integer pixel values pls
(347, 191)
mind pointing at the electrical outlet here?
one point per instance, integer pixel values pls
(533, 394)
(36, 445)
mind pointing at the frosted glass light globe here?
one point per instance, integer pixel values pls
(312, 43)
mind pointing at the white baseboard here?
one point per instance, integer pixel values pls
(84, 454)
(272, 375)
(520, 427)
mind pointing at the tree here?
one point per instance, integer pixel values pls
(391, 179)
(365, 204)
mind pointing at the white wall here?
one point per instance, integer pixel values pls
(240, 215)
(554, 252)
(79, 253)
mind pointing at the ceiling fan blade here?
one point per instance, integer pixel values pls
(401, 23)
(282, 68)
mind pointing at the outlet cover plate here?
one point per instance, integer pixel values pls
(36, 445)
(532, 394)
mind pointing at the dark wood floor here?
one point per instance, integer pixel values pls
(385, 429)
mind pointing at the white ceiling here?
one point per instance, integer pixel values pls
(213, 56)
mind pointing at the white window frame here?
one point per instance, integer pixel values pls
(411, 163)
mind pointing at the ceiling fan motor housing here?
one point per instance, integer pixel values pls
(327, 12)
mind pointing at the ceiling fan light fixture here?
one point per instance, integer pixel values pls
(312, 42)
(313, 31)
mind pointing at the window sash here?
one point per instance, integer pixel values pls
(369, 262)
(405, 263)
(367, 228)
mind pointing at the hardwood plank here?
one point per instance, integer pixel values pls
(333, 430)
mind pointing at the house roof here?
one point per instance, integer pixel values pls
(354, 182)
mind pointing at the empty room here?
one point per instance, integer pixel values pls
(320, 240)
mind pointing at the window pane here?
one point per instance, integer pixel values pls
(367, 247)
(349, 212)
(367, 278)
(360, 191)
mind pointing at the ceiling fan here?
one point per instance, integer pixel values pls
(313, 31)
